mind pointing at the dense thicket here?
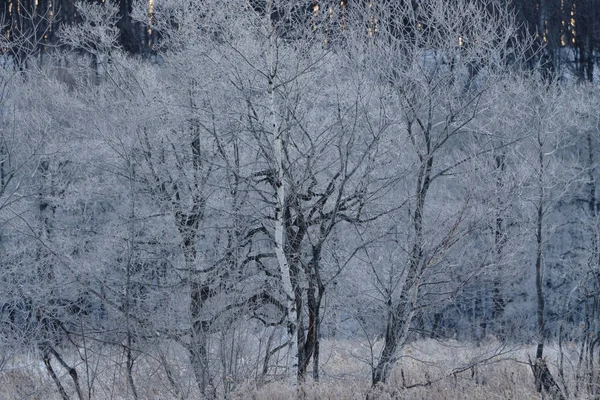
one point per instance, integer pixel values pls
(279, 172)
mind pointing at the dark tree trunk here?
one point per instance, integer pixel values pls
(538, 264)
(199, 294)
(199, 344)
(386, 362)
(400, 314)
(54, 377)
(500, 235)
(544, 381)
(316, 352)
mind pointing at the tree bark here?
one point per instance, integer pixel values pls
(538, 259)
(544, 381)
(400, 315)
(500, 236)
(280, 223)
(199, 294)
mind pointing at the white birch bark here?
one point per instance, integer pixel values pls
(278, 143)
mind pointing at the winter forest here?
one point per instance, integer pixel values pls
(275, 199)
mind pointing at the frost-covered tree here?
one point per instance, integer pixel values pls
(438, 65)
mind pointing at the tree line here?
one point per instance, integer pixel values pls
(567, 29)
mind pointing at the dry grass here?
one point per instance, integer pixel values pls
(424, 372)
(427, 370)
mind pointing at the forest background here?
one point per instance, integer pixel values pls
(228, 199)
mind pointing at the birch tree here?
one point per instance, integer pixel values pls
(317, 147)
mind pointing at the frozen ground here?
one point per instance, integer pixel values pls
(428, 370)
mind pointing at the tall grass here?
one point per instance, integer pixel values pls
(428, 369)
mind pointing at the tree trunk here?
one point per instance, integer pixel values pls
(387, 359)
(310, 346)
(500, 236)
(400, 316)
(317, 322)
(306, 347)
(59, 385)
(45, 268)
(544, 381)
(538, 271)
(199, 294)
(278, 143)
(199, 339)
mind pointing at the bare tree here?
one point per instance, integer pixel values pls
(316, 139)
(438, 65)
(546, 144)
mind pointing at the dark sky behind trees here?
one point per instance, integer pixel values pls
(568, 29)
